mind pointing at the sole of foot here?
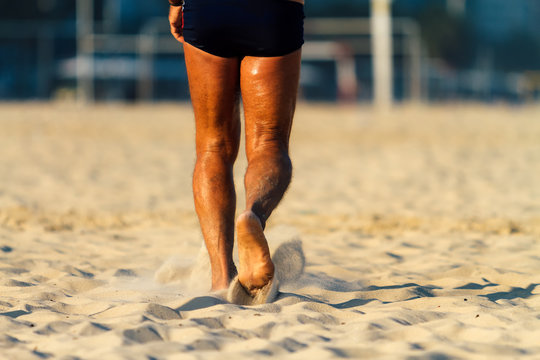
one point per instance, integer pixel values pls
(256, 269)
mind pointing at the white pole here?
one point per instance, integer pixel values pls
(85, 51)
(381, 45)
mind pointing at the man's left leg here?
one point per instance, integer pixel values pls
(269, 88)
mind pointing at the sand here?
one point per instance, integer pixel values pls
(420, 230)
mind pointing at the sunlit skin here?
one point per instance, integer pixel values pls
(268, 87)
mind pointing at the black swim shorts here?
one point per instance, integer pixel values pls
(237, 28)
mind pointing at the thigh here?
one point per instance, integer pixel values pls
(214, 89)
(269, 88)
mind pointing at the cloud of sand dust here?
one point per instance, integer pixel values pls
(176, 278)
(289, 261)
(193, 278)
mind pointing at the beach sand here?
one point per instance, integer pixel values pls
(420, 229)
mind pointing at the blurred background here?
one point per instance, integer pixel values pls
(120, 50)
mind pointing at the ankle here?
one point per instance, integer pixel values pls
(222, 274)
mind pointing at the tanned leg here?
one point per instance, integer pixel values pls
(269, 89)
(214, 88)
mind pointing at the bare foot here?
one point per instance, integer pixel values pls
(256, 268)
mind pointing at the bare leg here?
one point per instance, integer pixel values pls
(269, 89)
(214, 88)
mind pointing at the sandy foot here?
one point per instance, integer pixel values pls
(256, 268)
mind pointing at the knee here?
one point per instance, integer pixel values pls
(217, 149)
(269, 148)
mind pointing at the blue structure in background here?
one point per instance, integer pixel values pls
(38, 51)
(497, 20)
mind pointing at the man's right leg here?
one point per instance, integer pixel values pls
(214, 88)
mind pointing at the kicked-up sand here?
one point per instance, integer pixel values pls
(420, 230)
